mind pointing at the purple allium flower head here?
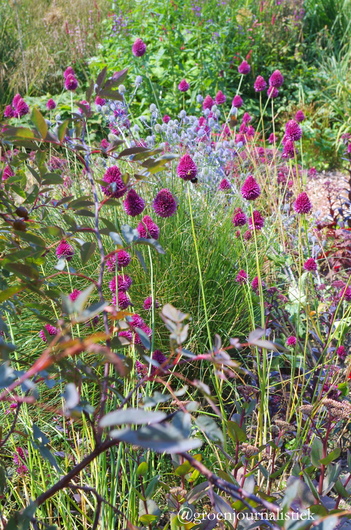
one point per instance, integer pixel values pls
(121, 259)
(250, 131)
(224, 185)
(186, 168)
(164, 203)
(122, 282)
(276, 80)
(16, 99)
(293, 131)
(74, 294)
(237, 102)
(241, 277)
(71, 83)
(260, 84)
(302, 203)
(116, 187)
(183, 85)
(51, 330)
(247, 235)
(64, 250)
(272, 92)
(139, 48)
(147, 304)
(7, 173)
(244, 68)
(141, 369)
(310, 265)
(68, 71)
(207, 103)
(256, 222)
(166, 118)
(123, 300)
(148, 229)
(50, 104)
(255, 284)
(239, 218)
(136, 321)
(289, 149)
(133, 203)
(312, 172)
(291, 341)
(272, 138)
(9, 112)
(247, 118)
(341, 352)
(127, 334)
(250, 189)
(20, 106)
(104, 144)
(345, 294)
(300, 116)
(100, 101)
(159, 357)
(220, 98)
(85, 105)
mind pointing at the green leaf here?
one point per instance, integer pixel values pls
(22, 271)
(236, 433)
(8, 293)
(209, 427)
(131, 417)
(150, 242)
(39, 121)
(61, 131)
(142, 469)
(150, 490)
(85, 213)
(21, 520)
(86, 251)
(144, 338)
(2, 480)
(331, 456)
(317, 452)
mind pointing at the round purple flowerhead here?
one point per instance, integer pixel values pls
(133, 203)
(300, 116)
(256, 222)
(164, 204)
(272, 138)
(341, 352)
(50, 104)
(74, 294)
(224, 185)
(247, 118)
(7, 173)
(237, 102)
(64, 250)
(71, 83)
(148, 303)
(250, 189)
(208, 103)
(293, 131)
(239, 218)
(260, 84)
(345, 294)
(139, 48)
(51, 330)
(9, 112)
(122, 299)
(166, 118)
(148, 229)
(220, 98)
(255, 284)
(302, 203)
(100, 101)
(122, 282)
(289, 149)
(247, 235)
(241, 277)
(291, 341)
(116, 187)
(272, 92)
(310, 265)
(186, 168)
(276, 80)
(68, 71)
(244, 68)
(183, 85)
(20, 107)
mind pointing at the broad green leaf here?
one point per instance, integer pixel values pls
(331, 456)
(131, 417)
(317, 452)
(39, 121)
(86, 251)
(142, 469)
(236, 432)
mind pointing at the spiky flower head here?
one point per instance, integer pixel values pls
(345, 294)
(50, 104)
(220, 98)
(186, 168)
(247, 118)
(256, 283)
(289, 149)
(51, 330)
(148, 229)
(164, 203)
(293, 131)
(276, 80)
(247, 235)
(116, 187)
(241, 277)
(260, 84)
(148, 303)
(121, 259)
(122, 299)
(256, 221)
(224, 185)
(71, 83)
(250, 189)
(9, 112)
(20, 106)
(74, 294)
(138, 48)
(122, 282)
(239, 218)
(166, 118)
(64, 250)
(100, 101)
(7, 173)
(207, 103)
(302, 203)
(291, 341)
(68, 71)
(133, 203)
(272, 138)
(237, 101)
(300, 116)
(244, 68)
(272, 92)
(341, 353)
(159, 357)
(183, 85)
(310, 265)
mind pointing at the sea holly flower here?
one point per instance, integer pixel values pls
(64, 250)
(148, 229)
(116, 187)
(139, 48)
(276, 80)
(260, 84)
(186, 168)
(164, 204)
(244, 68)
(133, 203)
(302, 204)
(250, 189)
(310, 265)
(183, 86)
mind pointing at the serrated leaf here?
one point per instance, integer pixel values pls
(131, 417)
